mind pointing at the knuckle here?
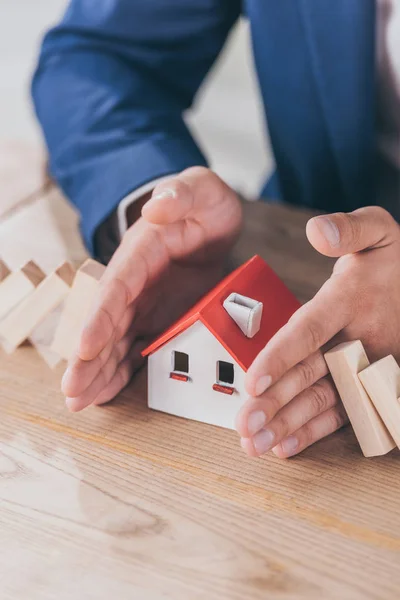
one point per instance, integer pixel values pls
(122, 285)
(389, 224)
(277, 366)
(315, 335)
(318, 398)
(378, 212)
(307, 435)
(106, 322)
(306, 373)
(282, 426)
(336, 419)
(349, 227)
(270, 404)
(352, 229)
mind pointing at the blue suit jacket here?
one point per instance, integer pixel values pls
(116, 75)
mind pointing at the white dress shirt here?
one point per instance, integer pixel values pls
(388, 109)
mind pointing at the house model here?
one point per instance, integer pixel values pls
(197, 368)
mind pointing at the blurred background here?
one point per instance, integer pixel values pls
(227, 118)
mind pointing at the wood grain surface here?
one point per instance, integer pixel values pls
(123, 502)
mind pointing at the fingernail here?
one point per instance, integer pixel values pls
(290, 445)
(329, 230)
(263, 440)
(245, 443)
(263, 384)
(66, 377)
(69, 403)
(256, 421)
(167, 193)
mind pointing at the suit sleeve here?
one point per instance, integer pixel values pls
(113, 81)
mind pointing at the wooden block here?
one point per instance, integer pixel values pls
(18, 285)
(45, 231)
(77, 306)
(4, 271)
(20, 322)
(382, 382)
(344, 363)
(43, 335)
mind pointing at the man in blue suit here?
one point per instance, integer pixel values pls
(113, 81)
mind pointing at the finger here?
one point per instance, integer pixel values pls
(103, 378)
(258, 411)
(316, 429)
(140, 257)
(80, 373)
(310, 403)
(112, 305)
(122, 377)
(181, 196)
(312, 326)
(120, 380)
(345, 233)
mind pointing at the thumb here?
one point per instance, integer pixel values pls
(183, 196)
(346, 233)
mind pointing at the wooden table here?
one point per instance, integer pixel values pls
(122, 502)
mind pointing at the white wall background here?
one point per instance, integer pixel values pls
(227, 118)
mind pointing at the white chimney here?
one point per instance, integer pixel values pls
(246, 313)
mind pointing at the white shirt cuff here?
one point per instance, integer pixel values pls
(131, 198)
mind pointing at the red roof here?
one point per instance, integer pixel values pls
(254, 279)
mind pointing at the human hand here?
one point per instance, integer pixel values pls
(293, 403)
(168, 259)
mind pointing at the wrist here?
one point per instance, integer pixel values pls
(106, 239)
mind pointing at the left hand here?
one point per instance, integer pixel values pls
(293, 403)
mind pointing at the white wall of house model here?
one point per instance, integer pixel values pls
(195, 398)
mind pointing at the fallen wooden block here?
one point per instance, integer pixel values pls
(4, 271)
(44, 231)
(77, 306)
(382, 382)
(18, 285)
(21, 322)
(42, 337)
(345, 362)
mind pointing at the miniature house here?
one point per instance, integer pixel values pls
(197, 368)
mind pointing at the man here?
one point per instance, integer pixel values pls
(113, 81)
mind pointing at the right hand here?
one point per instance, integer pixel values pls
(167, 260)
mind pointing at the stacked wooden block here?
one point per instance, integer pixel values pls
(28, 297)
(370, 394)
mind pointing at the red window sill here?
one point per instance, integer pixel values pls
(224, 389)
(178, 377)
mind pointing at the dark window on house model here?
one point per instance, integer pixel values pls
(225, 372)
(180, 362)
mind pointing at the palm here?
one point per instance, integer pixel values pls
(166, 261)
(175, 291)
